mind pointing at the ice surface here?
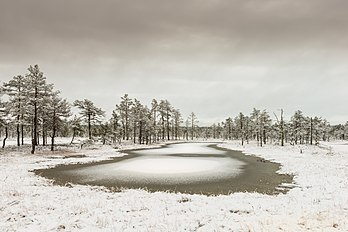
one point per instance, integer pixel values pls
(183, 148)
(170, 165)
(155, 166)
(159, 170)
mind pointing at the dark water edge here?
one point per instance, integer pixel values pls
(258, 175)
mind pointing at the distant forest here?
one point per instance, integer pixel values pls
(32, 107)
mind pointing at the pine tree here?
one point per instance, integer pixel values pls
(187, 124)
(165, 110)
(154, 108)
(5, 119)
(15, 89)
(76, 127)
(90, 113)
(136, 116)
(57, 110)
(298, 129)
(193, 122)
(228, 128)
(36, 90)
(240, 122)
(265, 125)
(115, 126)
(43, 112)
(104, 131)
(124, 109)
(177, 122)
(255, 124)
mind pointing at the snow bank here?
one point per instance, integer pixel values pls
(319, 202)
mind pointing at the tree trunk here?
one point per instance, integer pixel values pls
(18, 132)
(89, 126)
(18, 135)
(34, 139)
(73, 136)
(311, 132)
(18, 118)
(22, 133)
(140, 132)
(126, 127)
(192, 121)
(53, 130)
(115, 131)
(52, 138)
(123, 131)
(134, 132)
(282, 127)
(43, 134)
(6, 136)
(163, 128)
(168, 125)
(229, 131)
(154, 126)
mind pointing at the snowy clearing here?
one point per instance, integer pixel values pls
(318, 202)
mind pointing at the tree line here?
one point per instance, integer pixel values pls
(259, 126)
(32, 107)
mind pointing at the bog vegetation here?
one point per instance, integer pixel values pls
(32, 107)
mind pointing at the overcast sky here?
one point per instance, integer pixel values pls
(213, 57)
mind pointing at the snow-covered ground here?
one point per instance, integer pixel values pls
(319, 202)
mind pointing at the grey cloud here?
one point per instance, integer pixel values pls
(199, 54)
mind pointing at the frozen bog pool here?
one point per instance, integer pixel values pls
(170, 166)
(182, 148)
(187, 167)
